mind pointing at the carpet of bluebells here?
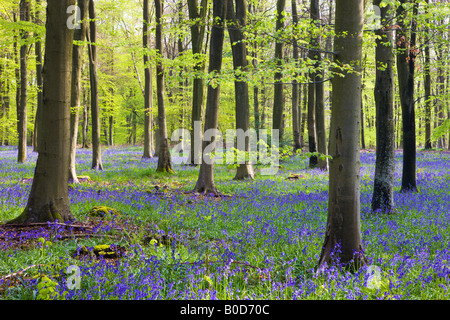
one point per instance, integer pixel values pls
(260, 241)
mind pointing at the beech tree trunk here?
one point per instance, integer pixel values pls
(148, 92)
(405, 69)
(164, 162)
(383, 190)
(205, 181)
(343, 224)
(198, 14)
(95, 108)
(278, 96)
(38, 53)
(296, 110)
(48, 199)
(237, 20)
(79, 35)
(22, 107)
(427, 85)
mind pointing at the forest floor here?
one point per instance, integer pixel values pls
(139, 234)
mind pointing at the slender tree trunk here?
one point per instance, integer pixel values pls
(48, 199)
(427, 85)
(148, 92)
(278, 97)
(383, 190)
(205, 182)
(296, 112)
(38, 53)
(85, 120)
(343, 223)
(363, 122)
(237, 20)
(22, 109)
(405, 68)
(164, 162)
(197, 14)
(95, 108)
(77, 61)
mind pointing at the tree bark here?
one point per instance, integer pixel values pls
(197, 14)
(296, 112)
(343, 224)
(22, 107)
(278, 97)
(93, 76)
(148, 91)
(48, 199)
(38, 53)
(79, 35)
(383, 190)
(164, 162)
(237, 20)
(405, 70)
(205, 181)
(427, 85)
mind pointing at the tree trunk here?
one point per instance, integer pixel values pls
(164, 162)
(343, 224)
(405, 69)
(237, 21)
(296, 112)
(197, 14)
(278, 97)
(48, 199)
(205, 182)
(85, 120)
(77, 61)
(95, 108)
(148, 92)
(38, 53)
(383, 190)
(22, 107)
(427, 86)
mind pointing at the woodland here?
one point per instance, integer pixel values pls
(120, 176)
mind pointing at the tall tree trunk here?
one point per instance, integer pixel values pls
(197, 14)
(48, 199)
(278, 97)
(427, 85)
(95, 108)
(405, 69)
(85, 120)
(383, 190)
(22, 107)
(343, 223)
(148, 92)
(363, 122)
(38, 53)
(312, 93)
(205, 182)
(164, 162)
(237, 21)
(77, 61)
(296, 112)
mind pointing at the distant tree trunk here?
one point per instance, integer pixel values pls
(38, 53)
(148, 92)
(343, 223)
(164, 162)
(48, 199)
(85, 120)
(427, 85)
(205, 182)
(95, 108)
(383, 190)
(237, 20)
(405, 69)
(22, 107)
(278, 97)
(312, 99)
(79, 35)
(363, 122)
(296, 110)
(197, 14)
